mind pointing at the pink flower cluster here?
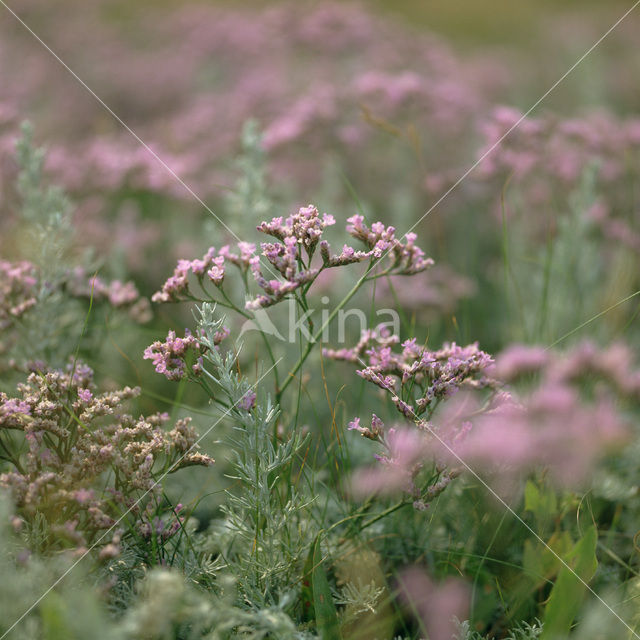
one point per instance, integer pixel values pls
(438, 605)
(211, 267)
(118, 294)
(547, 157)
(417, 378)
(299, 232)
(69, 437)
(193, 61)
(291, 257)
(567, 413)
(18, 290)
(170, 358)
(22, 285)
(406, 257)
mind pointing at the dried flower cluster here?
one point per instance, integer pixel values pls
(80, 461)
(21, 285)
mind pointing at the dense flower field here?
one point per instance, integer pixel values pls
(307, 331)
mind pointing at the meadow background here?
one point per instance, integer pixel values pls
(495, 492)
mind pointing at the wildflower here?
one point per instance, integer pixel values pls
(373, 433)
(305, 227)
(428, 376)
(406, 258)
(17, 290)
(63, 462)
(248, 401)
(217, 271)
(85, 395)
(170, 357)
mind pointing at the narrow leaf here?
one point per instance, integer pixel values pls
(569, 590)
(308, 612)
(326, 614)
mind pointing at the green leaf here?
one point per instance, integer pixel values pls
(307, 586)
(540, 562)
(541, 502)
(569, 590)
(325, 611)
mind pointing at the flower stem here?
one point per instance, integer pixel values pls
(291, 375)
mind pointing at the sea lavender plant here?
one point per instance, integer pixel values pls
(417, 381)
(565, 411)
(82, 472)
(295, 260)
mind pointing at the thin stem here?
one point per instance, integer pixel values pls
(291, 375)
(384, 514)
(267, 344)
(362, 512)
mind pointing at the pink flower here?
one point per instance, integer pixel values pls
(169, 357)
(438, 605)
(248, 401)
(85, 395)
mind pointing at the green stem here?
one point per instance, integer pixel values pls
(384, 514)
(362, 512)
(291, 375)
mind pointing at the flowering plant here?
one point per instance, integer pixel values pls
(81, 468)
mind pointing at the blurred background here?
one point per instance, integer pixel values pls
(260, 107)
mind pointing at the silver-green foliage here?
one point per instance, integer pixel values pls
(267, 526)
(47, 237)
(523, 631)
(31, 607)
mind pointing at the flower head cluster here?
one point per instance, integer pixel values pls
(306, 226)
(118, 294)
(17, 290)
(211, 267)
(610, 368)
(82, 460)
(170, 358)
(565, 411)
(298, 237)
(406, 258)
(550, 156)
(20, 283)
(417, 378)
(290, 259)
